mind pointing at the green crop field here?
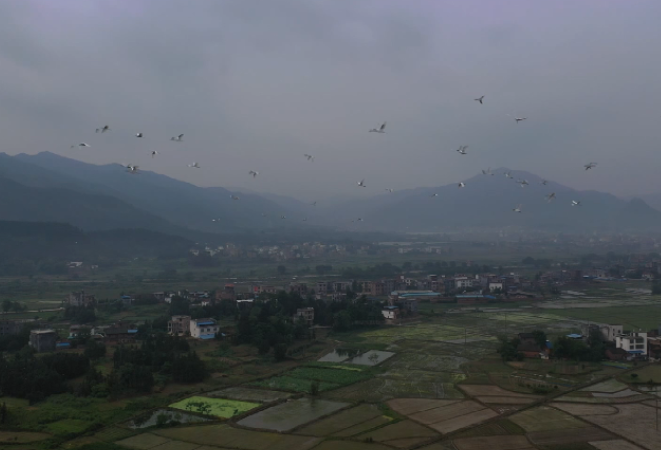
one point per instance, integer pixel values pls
(287, 383)
(632, 317)
(218, 407)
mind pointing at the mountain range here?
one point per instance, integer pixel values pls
(50, 188)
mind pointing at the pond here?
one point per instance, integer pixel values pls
(371, 358)
(338, 355)
(162, 417)
(249, 394)
(292, 414)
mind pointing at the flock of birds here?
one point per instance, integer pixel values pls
(462, 150)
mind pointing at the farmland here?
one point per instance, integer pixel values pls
(218, 407)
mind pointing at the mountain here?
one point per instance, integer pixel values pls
(178, 202)
(488, 202)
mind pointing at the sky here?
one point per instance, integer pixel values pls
(256, 84)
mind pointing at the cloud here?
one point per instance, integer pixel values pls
(256, 84)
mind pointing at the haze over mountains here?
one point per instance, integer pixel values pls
(47, 187)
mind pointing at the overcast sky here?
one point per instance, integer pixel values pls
(255, 84)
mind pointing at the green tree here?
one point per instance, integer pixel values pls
(280, 351)
(508, 349)
(342, 321)
(94, 349)
(540, 338)
(6, 305)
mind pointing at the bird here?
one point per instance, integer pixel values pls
(194, 165)
(132, 169)
(508, 175)
(523, 183)
(103, 129)
(550, 197)
(360, 219)
(215, 220)
(519, 119)
(361, 183)
(154, 153)
(381, 129)
(479, 99)
(434, 195)
(517, 209)
(462, 149)
(309, 157)
(575, 203)
(544, 182)
(390, 190)
(305, 219)
(97, 130)
(461, 184)
(590, 165)
(254, 173)
(177, 138)
(314, 203)
(139, 135)
(487, 172)
(234, 197)
(282, 217)
(82, 144)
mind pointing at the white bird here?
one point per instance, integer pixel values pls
(139, 135)
(177, 138)
(215, 220)
(508, 175)
(462, 149)
(590, 165)
(234, 197)
(519, 119)
(360, 220)
(479, 99)
(575, 203)
(309, 157)
(544, 182)
(361, 183)
(104, 129)
(381, 129)
(461, 184)
(194, 165)
(434, 195)
(550, 197)
(487, 172)
(82, 144)
(517, 209)
(523, 183)
(154, 153)
(132, 169)
(254, 173)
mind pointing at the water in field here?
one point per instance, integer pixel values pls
(338, 355)
(151, 419)
(371, 358)
(291, 414)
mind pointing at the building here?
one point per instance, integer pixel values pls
(203, 328)
(607, 331)
(228, 292)
(390, 312)
(179, 325)
(307, 314)
(322, 287)
(495, 286)
(634, 343)
(43, 340)
(121, 333)
(81, 299)
(11, 327)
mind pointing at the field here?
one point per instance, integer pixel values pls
(544, 418)
(249, 394)
(292, 414)
(400, 434)
(444, 417)
(347, 423)
(143, 441)
(632, 317)
(218, 407)
(22, 437)
(301, 379)
(494, 443)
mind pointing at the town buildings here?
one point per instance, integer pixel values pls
(81, 299)
(43, 340)
(203, 328)
(179, 325)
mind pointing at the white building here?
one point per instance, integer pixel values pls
(463, 282)
(635, 343)
(609, 332)
(204, 328)
(493, 285)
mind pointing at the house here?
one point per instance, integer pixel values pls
(43, 340)
(121, 333)
(127, 300)
(608, 332)
(495, 285)
(654, 347)
(81, 299)
(617, 354)
(160, 296)
(390, 312)
(11, 327)
(470, 299)
(203, 328)
(307, 314)
(227, 293)
(298, 288)
(179, 325)
(634, 343)
(322, 287)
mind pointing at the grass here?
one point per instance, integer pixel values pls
(632, 317)
(287, 383)
(645, 374)
(218, 407)
(330, 376)
(67, 427)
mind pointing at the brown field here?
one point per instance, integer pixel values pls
(412, 405)
(143, 441)
(401, 434)
(464, 421)
(494, 443)
(580, 409)
(226, 436)
(569, 436)
(514, 400)
(476, 390)
(544, 418)
(176, 445)
(349, 445)
(445, 413)
(364, 426)
(22, 437)
(617, 444)
(445, 445)
(635, 422)
(340, 424)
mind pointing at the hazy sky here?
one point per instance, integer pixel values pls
(255, 84)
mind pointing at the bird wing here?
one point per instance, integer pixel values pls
(383, 126)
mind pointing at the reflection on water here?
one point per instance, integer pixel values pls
(163, 417)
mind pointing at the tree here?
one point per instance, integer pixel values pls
(314, 388)
(540, 338)
(656, 288)
(280, 351)
(189, 368)
(282, 270)
(508, 349)
(3, 413)
(94, 349)
(342, 321)
(6, 305)
(179, 306)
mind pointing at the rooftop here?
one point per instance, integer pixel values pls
(42, 331)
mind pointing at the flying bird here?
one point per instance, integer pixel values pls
(305, 219)
(361, 183)
(590, 165)
(234, 197)
(139, 135)
(517, 209)
(103, 129)
(487, 172)
(254, 173)
(523, 183)
(434, 195)
(544, 182)
(381, 129)
(479, 99)
(309, 157)
(178, 138)
(519, 119)
(575, 203)
(508, 175)
(282, 217)
(82, 144)
(462, 149)
(550, 197)
(314, 203)
(194, 165)
(461, 184)
(390, 190)
(154, 153)
(131, 168)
